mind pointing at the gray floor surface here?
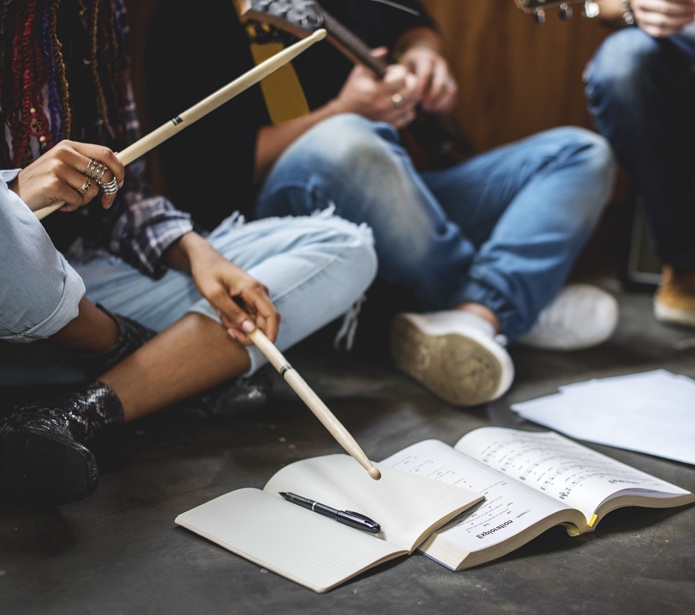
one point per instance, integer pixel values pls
(119, 551)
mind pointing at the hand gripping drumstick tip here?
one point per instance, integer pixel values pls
(205, 106)
(302, 389)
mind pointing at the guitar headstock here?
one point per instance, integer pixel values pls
(537, 8)
(297, 17)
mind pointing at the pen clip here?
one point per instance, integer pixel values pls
(370, 524)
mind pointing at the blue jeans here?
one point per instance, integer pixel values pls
(315, 268)
(641, 93)
(502, 229)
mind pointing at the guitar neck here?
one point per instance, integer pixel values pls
(302, 18)
(352, 46)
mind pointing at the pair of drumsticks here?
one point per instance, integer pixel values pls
(274, 356)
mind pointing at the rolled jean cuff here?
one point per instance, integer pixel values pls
(65, 311)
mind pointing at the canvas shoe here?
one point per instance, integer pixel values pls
(454, 354)
(674, 302)
(581, 316)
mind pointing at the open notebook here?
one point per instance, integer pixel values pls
(316, 551)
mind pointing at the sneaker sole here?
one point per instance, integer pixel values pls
(45, 470)
(460, 369)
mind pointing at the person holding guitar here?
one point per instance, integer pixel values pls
(640, 87)
(485, 244)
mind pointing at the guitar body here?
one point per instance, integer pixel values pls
(433, 142)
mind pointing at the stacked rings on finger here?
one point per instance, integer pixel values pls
(398, 100)
(110, 187)
(96, 171)
(84, 187)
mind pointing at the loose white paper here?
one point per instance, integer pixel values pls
(651, 412)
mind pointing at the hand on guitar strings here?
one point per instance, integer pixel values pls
(392, 99)
(436, 86)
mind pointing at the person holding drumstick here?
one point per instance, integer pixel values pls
(484, 245)
(141, 310)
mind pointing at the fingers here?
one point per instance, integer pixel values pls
(661, 18)
(437, 86)
(104, 168)
(72, 173)
(242, 313)
(434, 89)
(399, 96)
(440, 95)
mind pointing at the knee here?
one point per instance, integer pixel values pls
(602, 168)
(346, 243)
(595, 169)
(587, 148)
(341, 142)
(621, 67)
(599, 153)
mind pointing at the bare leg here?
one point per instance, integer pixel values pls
(92, 331)
(192, 355)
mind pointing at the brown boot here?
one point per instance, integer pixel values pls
(674, 302)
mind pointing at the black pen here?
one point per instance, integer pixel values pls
(347, 517)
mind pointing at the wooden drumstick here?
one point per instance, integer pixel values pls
(312, 400)
(205, 106)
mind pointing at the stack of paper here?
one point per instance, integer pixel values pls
(651, 412)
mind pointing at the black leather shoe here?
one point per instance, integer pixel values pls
(230, 397)
(43, 452)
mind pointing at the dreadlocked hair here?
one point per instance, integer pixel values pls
(36, 100)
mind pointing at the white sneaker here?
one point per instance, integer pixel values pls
(454, 354)
(581, 316)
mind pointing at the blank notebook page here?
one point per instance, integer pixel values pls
(304, 546)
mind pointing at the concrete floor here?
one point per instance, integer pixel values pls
(120, 552)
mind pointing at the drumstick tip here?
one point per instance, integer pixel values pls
(374, 472)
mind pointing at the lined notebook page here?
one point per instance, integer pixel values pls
(303, 546)
(408, 507)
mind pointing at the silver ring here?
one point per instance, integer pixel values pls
(109, 188)
(95, 170)
(398, 100)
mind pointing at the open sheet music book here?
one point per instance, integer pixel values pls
(317, 551)
(532, 482)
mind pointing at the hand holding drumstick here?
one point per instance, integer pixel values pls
(164, 132)
(205, 106)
